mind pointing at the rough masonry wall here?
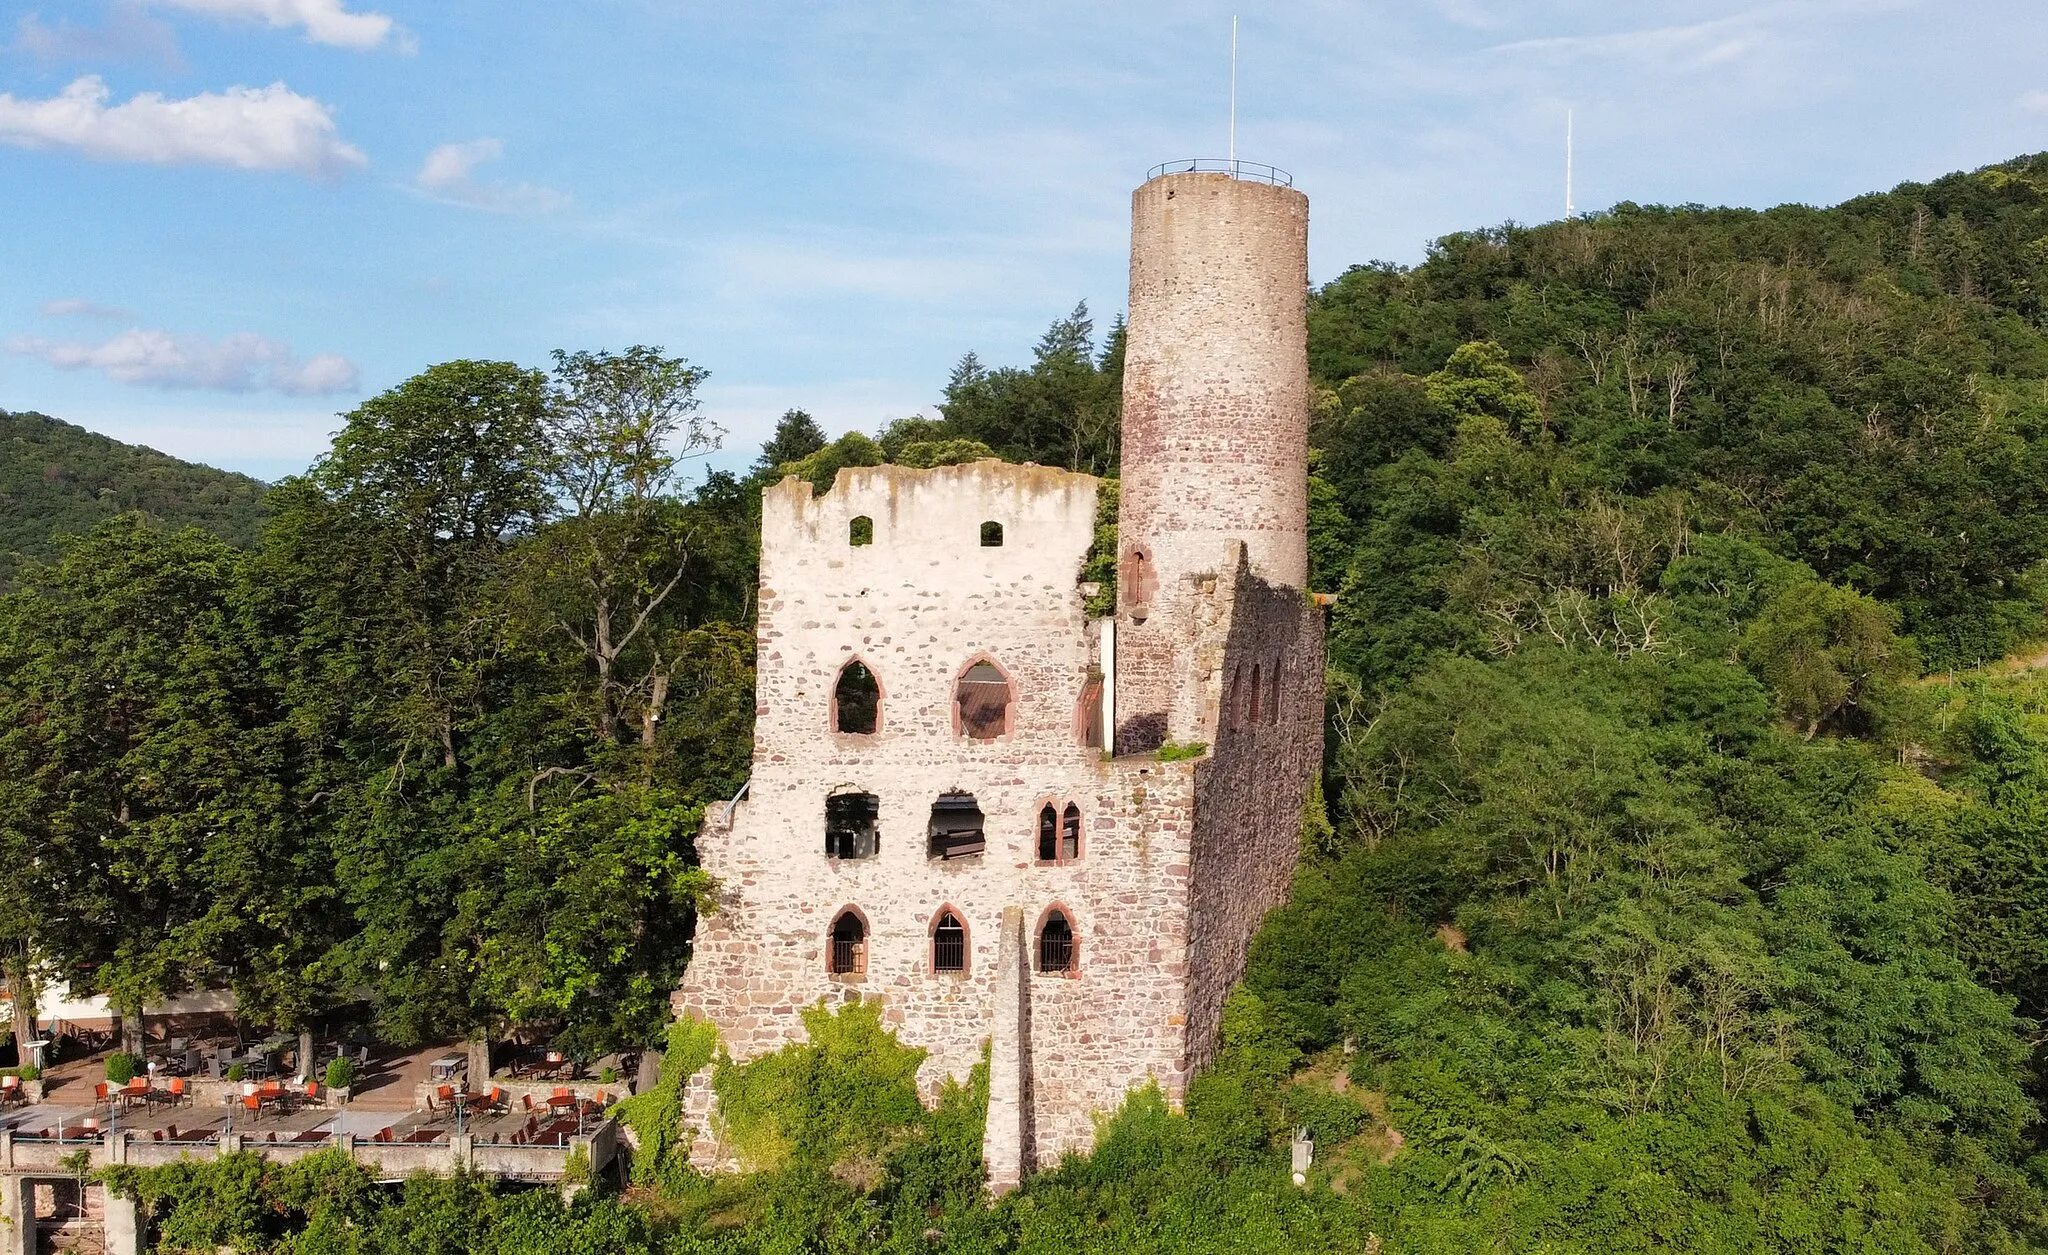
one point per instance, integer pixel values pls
(917, 606)
(1249, 792)
(1215, 422)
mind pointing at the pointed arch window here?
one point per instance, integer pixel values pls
(860, 530)
(1059, 833)
(1056, 944)
(847, 947)
(982, 701)
(856, 700)
(949, 944)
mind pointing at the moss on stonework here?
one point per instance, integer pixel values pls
(656, 1117)
(1174, 751)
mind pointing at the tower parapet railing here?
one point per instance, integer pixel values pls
(1253, 171)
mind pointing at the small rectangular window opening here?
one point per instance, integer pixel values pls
(861, 531)
(991, 535)
(956, 828)
(851, 830)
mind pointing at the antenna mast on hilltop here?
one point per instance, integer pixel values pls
(1567, 165)
(1233, 95)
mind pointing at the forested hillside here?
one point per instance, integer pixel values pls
(59, 480)
(1682, 879)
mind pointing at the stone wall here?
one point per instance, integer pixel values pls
(1249, 792)
(918, 606)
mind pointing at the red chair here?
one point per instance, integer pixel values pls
(253, 1104)
(101, 1095)
(178, 1094)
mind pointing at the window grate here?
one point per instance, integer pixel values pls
(1056, 945)
(949, 945)
(849, 950)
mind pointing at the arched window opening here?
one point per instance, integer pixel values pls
(861, 531)
(1048, 834)
(956, 828)
(991, 535)
(1091, 713)
(1138, 581)
(983, 700)
(1272, 712)
(850, 827)
(856, 700)
(1251, 702)
(1070, 833)
(1056, 945)
(849, 945)
(949, 944)
(1233, 693)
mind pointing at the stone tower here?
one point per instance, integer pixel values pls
(936, 817)
(1215, 424)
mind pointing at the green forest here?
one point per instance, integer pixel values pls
(59, 480)
(1678, 879)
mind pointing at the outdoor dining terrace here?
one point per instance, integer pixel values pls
(506, 1140)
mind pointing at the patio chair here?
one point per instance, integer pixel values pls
(443, 1095)
(11, 1090)
(526, 1102)
(495, 1100)
(383, 1134)
(253, 1104)
(102, 1094)
(178, 1093)
(313, 1098)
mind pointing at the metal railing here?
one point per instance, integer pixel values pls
(1254, 171)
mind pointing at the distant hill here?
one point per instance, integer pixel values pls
(58, 479)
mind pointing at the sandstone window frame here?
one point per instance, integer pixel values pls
(973, 728)
(1058, 825)
(850, 835)
(834, 716)
(991, 534)
(860, 531)
(1089, 725)
(1065, 965)
(846, 948)
(949, 955)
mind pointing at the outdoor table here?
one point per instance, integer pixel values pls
(312, 1135)
(445, 1067)
(137, 1089)
(561, 1102)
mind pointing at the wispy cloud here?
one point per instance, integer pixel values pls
(449, 174)
(323, 21)
(128, 34)
(79, 307)
(242, 362)
(2034, 102)
(243, 128)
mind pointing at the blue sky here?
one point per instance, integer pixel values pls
(222, 222)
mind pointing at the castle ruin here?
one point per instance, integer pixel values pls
(959, 805)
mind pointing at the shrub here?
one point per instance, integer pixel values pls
(1174, 751)
(341, 1072)
(30, 1072)
(122, 1067)
(236, 1071)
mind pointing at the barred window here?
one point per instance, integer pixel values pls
(1056, 944)
(983, 700)
(949, 944)
(849, 945)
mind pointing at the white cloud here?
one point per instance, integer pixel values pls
(2035, 102)
(243, 128)
(242, 362)
(128, 34)
(324, 21)
(79, 307)
(449, 174)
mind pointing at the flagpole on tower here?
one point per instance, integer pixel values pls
(1233, 95)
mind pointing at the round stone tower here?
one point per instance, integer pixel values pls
(1215, 424)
